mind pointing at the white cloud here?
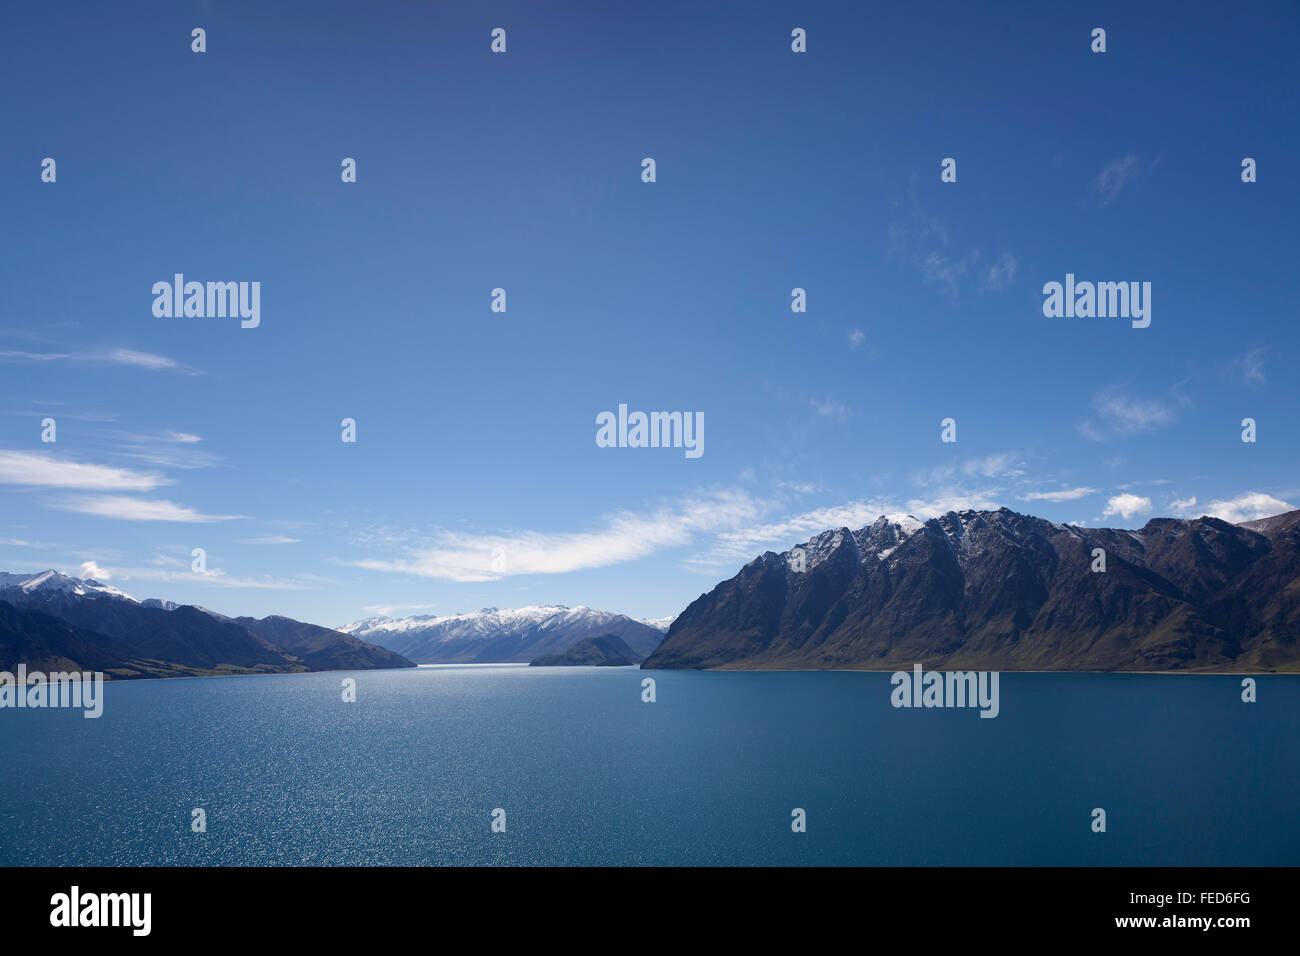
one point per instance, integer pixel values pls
(624, 536)
(91, 570)
(112, 356)
(166, 449)
(1001, 274)
(1247, 507)
(1065, 494)
(388, 610)
(1127, 506)
(1121, 414)
(213, 577)
(798, 487)
(271, 539)
(1091, 432)
(1249, 368)
(1111, 180)
(46, 471)
(939, 269)
(1182, 505)
(856, 338)
(140, 360)
(23, 543)
(830, 408)
(729, 526)
(1001, 465)
(124, 508)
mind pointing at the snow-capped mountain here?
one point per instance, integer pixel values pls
(52, 581)
(878, 540)
(56, 586)
(53, 619)
(999, 590)
(495, 635)
(659, 623)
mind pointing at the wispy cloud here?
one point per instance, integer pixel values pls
(927, 244)
(1111, 181)
(856, 338)
(60, 411)
(943, 270)
(1120, 414)
(24, 543)
(213, 577)
(1064, 494)
(388, 610)
(38, 470)
(830, 408)
(165, 449)
(1001, 274)
(108, 356)
(621, 537)
(731, 527)
(124, 508)
(1248, 368)
(1005, 465)
(271, 539)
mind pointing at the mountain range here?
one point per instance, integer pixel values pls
(53, 621)
(999, 590)
(988, 590)
(503, 635)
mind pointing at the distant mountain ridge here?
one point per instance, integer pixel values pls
(1002, 590)
(87, 625)
(495, 635)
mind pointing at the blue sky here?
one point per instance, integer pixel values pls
(775, 170)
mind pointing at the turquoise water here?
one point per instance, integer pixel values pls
(708, 774)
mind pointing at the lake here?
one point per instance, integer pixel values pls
(410, 773)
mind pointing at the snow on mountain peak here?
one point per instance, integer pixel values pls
(51, 580)
(658, 623)
(484, 621)
(501, 634)
(883, 536)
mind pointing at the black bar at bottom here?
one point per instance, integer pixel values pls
(308, 905)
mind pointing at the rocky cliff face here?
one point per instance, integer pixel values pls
(998, 590)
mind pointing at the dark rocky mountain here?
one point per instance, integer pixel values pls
(608, 650)
(186, 636)
(321, 648)
(998, 590)
(104, 629)
(45, 643)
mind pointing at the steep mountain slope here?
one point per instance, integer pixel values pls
(45, 643)
(1001, 590)
(493, 635)
(608, 650)
(321, 648)
(186, 636)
